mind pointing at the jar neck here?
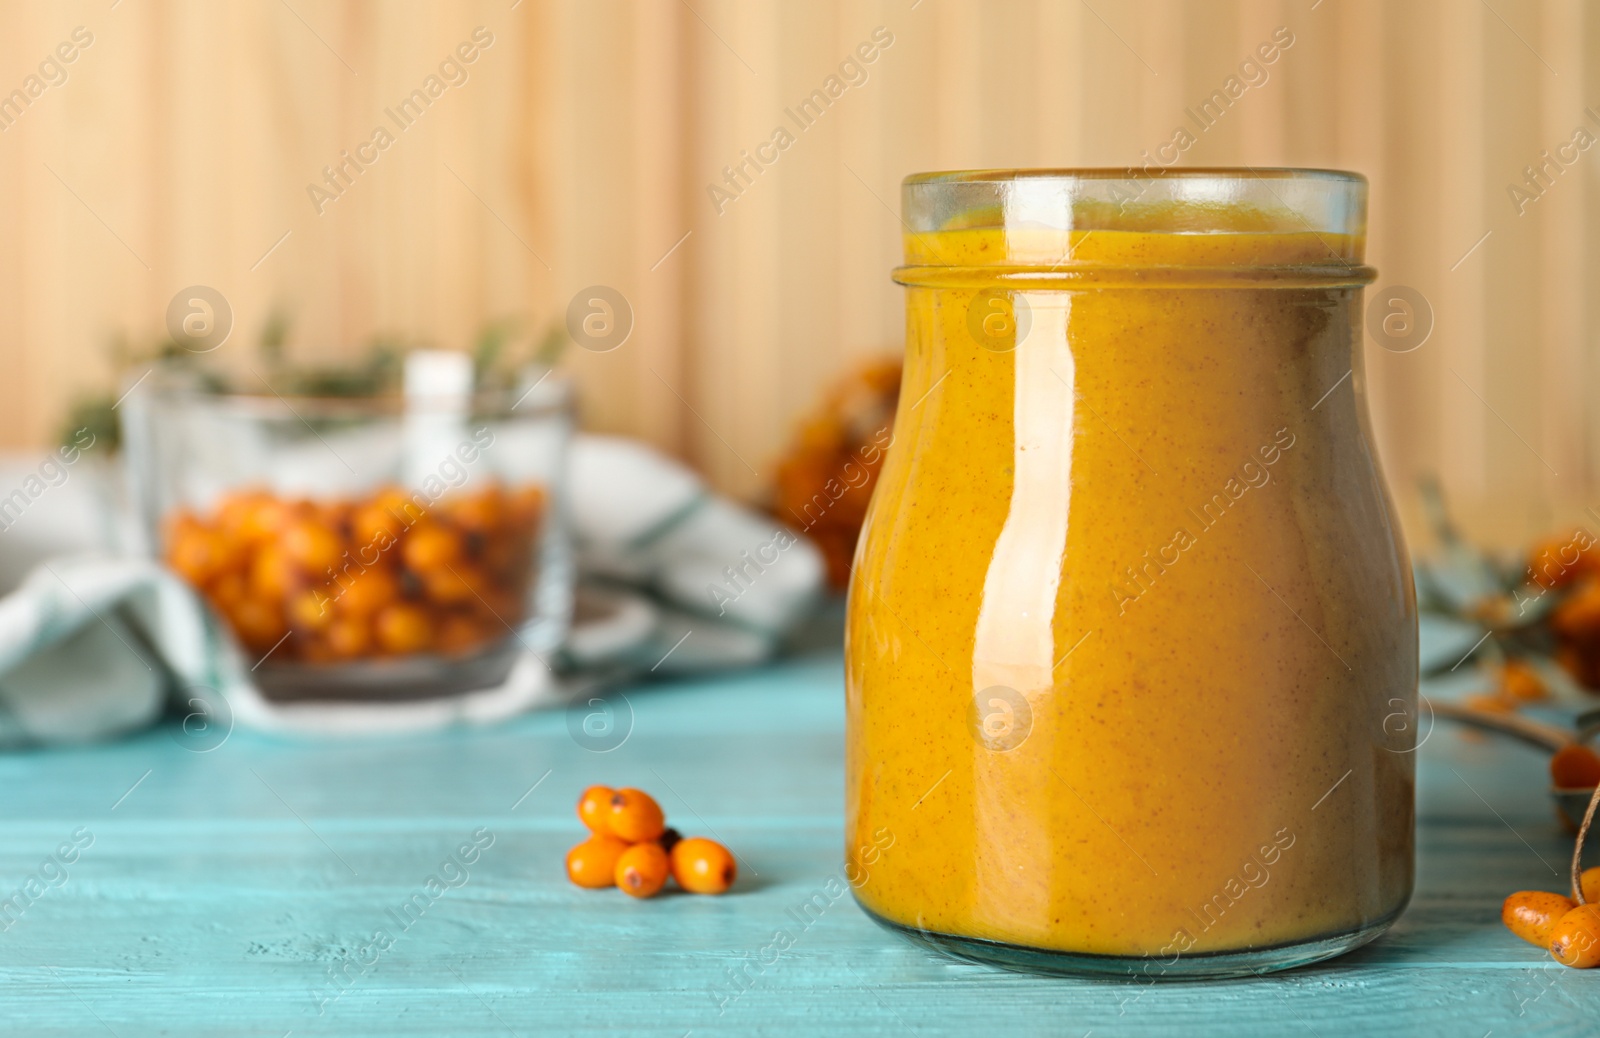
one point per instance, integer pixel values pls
(1094, 222)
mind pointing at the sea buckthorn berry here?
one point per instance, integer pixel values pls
(1575, 767)
(642, 870)
(594, 806)
(336, 516)
(258, 624)
(408, 508)
(403, 628)
(635, 816)
(311, 544)
(480, 512)
(348, 638)
(254, 517)
(233, 508)
(367, 592)
(272, 574)
(198, 554)
(377, 525)
(227, 591)
(593, 863)
(311, 610)
(430, 546)
(1575, 941)
(1533, 914)
(1579, 613)
(1589, 882)
(1557, 561)
(453, 586)
(1521, 683)
(703, 866)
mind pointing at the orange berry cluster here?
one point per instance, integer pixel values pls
(825, 480)
(630, 847)
(1570, 932)
(384, 575)
(1569, 563)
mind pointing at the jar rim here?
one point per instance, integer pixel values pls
(1195, 216)
(1074, 173)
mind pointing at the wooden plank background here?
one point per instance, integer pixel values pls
(578, 152)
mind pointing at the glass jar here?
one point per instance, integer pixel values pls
(1131, 658)
(395, 547)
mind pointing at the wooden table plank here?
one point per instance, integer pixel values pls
(224, 892)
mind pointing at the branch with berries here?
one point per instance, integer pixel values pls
(1539, 616)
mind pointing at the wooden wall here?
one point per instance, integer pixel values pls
(579, 150)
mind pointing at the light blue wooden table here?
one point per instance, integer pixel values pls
(224, 890)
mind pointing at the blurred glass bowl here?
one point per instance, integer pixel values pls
(362, 548)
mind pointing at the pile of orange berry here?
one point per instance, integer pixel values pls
(1570, 932)
(1569, 564)
(383, 575)
(841, 442)
(630, 847)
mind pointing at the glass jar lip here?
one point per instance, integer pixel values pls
(1239, 216)
(1068, 174)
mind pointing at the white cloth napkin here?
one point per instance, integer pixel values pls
(94, 643)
